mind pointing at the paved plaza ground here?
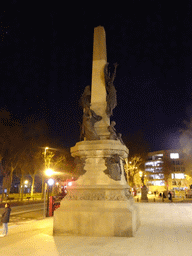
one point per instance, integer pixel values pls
(166, 229)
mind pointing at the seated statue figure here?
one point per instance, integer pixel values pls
(89, 119)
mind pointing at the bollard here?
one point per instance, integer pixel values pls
(154, 199)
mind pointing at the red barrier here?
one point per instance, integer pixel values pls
(51, 206)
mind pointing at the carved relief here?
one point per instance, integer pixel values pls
(113, 167)
(113, 195)
(80, 163)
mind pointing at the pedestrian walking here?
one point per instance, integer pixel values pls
(170, 196)
(5, 219)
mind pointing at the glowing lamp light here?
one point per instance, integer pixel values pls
(70, 183)
(51, 182)
(49, 172)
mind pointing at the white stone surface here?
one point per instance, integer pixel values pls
(95, 152)
(96, 218)
(166, 229)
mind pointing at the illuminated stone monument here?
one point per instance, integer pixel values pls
(99, 202)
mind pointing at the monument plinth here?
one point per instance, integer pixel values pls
(99, 202)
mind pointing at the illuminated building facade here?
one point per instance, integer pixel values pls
(165, 161)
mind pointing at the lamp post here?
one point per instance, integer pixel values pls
(49, 172)
(50, 183)
(47, 158)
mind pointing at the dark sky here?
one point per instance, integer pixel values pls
(46, 62)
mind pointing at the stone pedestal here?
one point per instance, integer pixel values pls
(97, 205)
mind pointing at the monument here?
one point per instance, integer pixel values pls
(99, 202)
(144, 192)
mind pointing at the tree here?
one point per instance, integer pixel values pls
(36, 134)
(24, 166)
(37, 165)
(11, 146)
(132, 169)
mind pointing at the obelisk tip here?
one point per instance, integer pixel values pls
(99, 47)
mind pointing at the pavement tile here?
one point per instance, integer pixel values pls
(166, 229)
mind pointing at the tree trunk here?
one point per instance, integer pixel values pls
(32, 185)
(5, 186)
(10, 181)
(3, 194)
(43, 187)
(21, 188)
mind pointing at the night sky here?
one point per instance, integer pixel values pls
(46, 62)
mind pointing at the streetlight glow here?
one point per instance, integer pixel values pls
(49, 172)
(51, 182)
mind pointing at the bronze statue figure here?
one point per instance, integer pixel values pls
(89, 117)
(89, 120)
(85, 100)
(110, 88)
(112, 130)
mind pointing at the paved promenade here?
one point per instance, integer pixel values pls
(166, 229)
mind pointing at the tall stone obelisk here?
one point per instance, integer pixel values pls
(98, 87)
(99, 202)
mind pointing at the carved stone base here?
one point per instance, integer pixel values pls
(97, 213)
(99, 203)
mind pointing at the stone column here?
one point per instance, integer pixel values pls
(98, 89)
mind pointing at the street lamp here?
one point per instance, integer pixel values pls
(50, 183)
(49, 172)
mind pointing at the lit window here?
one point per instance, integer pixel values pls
(174, 155)
(179, 176)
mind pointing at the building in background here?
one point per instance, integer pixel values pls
(166, 168)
